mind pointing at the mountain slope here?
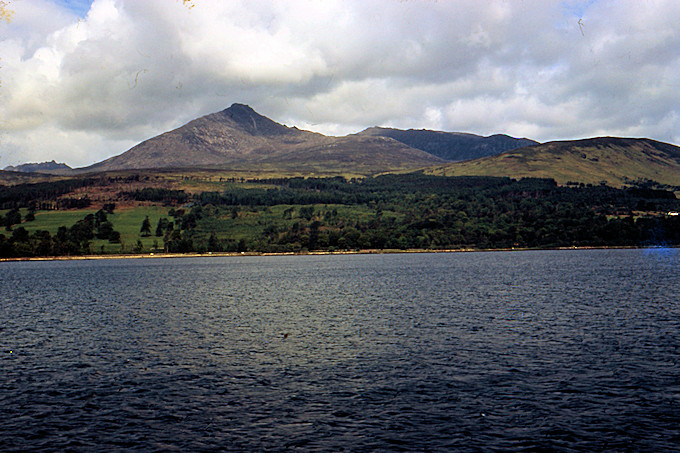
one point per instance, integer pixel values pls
(615, 161)
(10, 178)
(240, 138)
(452, 146)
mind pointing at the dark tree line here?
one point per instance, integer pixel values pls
(166, 196)
(26, 195)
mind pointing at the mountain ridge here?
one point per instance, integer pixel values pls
(451, 146)
(39, 167)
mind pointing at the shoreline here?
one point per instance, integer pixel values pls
(138, 256)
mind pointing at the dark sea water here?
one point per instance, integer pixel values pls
(515, 351)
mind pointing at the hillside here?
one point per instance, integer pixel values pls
(293, 215)
(241, 139)
(604, 159)
(9, 177)
(451, 146)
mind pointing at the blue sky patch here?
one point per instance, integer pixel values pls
(78, 7)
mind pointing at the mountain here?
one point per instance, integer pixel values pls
(451, 146)
(613, 160)
(43, 167)
(239, 138)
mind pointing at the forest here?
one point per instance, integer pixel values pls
(389, 212)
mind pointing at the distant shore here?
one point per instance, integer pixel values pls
(125, 256)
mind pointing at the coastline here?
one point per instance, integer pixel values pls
(154, 255)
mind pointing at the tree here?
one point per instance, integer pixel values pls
(146, 227)
(213, 243)
(307, 212)
(13, 217)
(43, 246)
(104, 230)
(177, 243)
(188, 221)
(162, 226)
(99, 218)
(20, 235)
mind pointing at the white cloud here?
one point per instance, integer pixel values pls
(81, 87)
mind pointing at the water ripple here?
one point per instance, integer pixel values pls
(527, 351)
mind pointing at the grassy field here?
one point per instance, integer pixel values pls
(52, 220)
(127, 222)
(248, 224)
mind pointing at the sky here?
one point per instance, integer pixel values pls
(81, 81)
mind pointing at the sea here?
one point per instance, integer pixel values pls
(567, 350)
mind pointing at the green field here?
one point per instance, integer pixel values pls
(248, 224)
(127, 222)
(52, 220)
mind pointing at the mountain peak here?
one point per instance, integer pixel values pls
(251, 121)
(236, 108)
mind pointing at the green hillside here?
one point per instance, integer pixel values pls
(615, 161)
(289, 215)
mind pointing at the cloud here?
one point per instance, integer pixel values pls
(80, 87)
